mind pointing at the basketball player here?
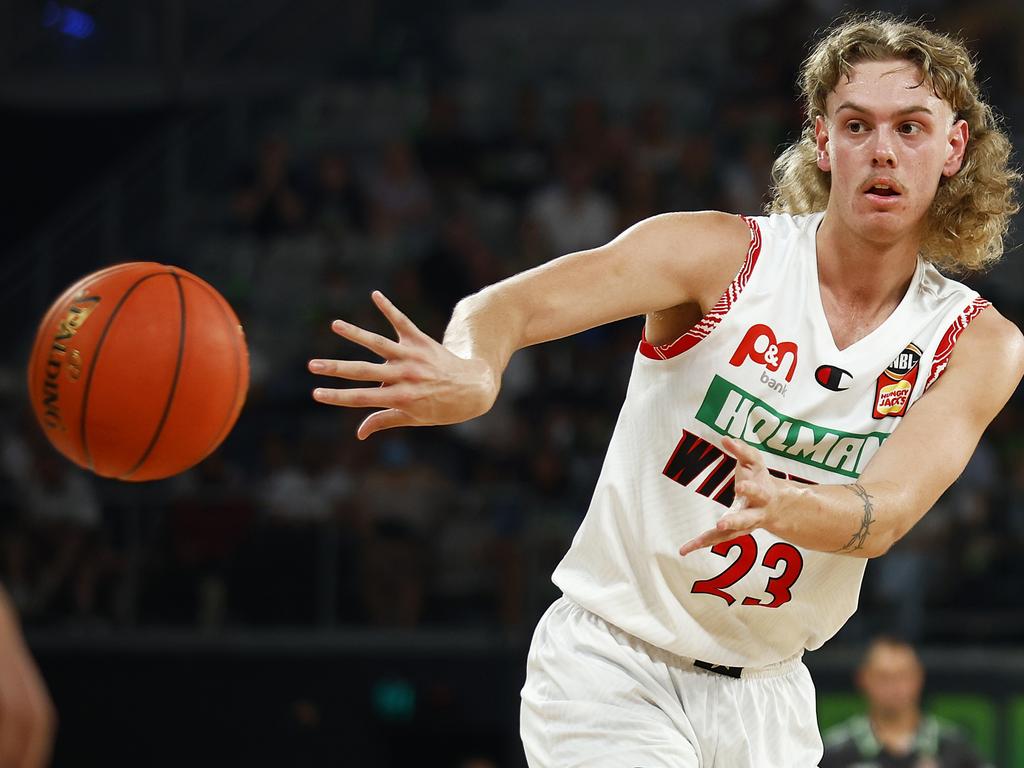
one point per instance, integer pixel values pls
(27, 716)
(807, 385)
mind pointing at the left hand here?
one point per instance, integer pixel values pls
(422, 382)
(755, 491)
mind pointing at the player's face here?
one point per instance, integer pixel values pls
(886, 141)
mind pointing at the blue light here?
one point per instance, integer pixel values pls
(77, 24)
(72, 22)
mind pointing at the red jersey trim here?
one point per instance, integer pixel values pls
(945, 348)
(710, 321)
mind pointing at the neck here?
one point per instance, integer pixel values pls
(896, 730)
(874, 274)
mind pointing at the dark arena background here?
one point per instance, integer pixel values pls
(304, 599)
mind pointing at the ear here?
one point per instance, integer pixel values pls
(958, 137)
(821, 140)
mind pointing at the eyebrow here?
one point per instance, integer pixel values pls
(864, 110)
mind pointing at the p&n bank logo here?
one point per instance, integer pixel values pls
(760, 345)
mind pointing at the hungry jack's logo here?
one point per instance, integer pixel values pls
(895, 383)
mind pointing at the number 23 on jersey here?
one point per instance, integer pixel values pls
(778, 587)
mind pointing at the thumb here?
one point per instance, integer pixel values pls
(381, 420)
(739, 499)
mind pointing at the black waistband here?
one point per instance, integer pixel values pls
(718, 669)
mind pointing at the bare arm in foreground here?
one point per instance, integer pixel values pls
(27, 716)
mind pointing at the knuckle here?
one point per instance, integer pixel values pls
(417, 372)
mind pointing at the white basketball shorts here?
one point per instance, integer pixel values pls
(598, 697)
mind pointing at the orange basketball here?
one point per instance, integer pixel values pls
(138, 371)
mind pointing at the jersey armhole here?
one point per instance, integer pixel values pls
(714, 316)
(945, 349)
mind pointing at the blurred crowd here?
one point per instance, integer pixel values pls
(295, 523)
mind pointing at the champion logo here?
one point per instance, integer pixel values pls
(832, 377)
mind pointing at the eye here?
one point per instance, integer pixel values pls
(909, 129)
(855, 126)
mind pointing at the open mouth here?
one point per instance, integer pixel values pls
(882, 190)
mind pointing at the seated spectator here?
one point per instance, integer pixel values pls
(267, 202)
(446, 152)
(572, 214)
(696, 182)
(600, 143)
(57, 569)
(337, 206)
(516, 163)
(654, 148)
(399, 192)
(895, 733)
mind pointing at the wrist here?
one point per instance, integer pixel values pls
(485, 381)
(785, 499)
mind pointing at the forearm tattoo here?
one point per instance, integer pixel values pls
(860, 537)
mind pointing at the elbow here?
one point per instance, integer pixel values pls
(889, 532)
(879, 546)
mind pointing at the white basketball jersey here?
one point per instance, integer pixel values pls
(762, 367)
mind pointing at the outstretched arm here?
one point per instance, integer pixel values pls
(662, 262)
(27, 716)
(904, 478)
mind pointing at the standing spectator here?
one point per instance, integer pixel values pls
(895, 733)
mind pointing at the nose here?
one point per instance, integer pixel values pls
(884, 150)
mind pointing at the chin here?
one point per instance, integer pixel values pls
(883, 226)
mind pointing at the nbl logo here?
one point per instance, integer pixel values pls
(896, 383)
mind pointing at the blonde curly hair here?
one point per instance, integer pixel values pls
(971, 211)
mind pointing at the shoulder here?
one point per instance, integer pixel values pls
(993, 332)
(846, 732)
(987, 362)
(953, 742)
(707, 238)
(703, 250)
(992, 340)
(712, 228)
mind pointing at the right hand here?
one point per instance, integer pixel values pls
(27, 717)
(422, 383)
